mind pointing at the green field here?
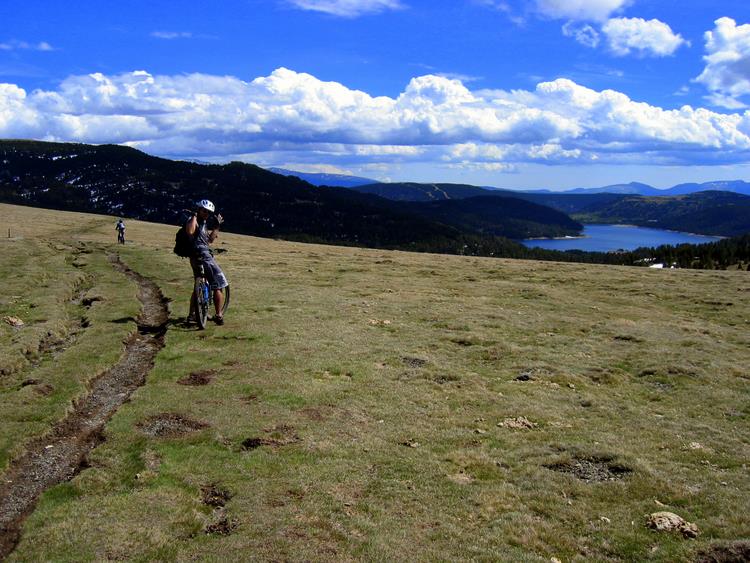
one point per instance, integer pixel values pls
(366, 405)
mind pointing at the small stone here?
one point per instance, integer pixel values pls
(15, 322)
(520, 422)
(605, 519)
(571, 386)
(669, 521)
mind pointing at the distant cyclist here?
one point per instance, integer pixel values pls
(120, 231)
(197, 226)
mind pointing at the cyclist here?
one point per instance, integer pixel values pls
(197, 227)
(120, 231)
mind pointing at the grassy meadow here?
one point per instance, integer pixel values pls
(375, 405)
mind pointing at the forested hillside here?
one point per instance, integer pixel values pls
(709, 213)
(122, 181)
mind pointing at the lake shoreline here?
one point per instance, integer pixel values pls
(609, 237)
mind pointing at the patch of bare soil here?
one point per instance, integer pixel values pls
(215, 495)
(413, 362)
(592, 469)
(170, 425)
(222, 525)
(61, 454)
(279, 435)
(733, 552)
(45, 389)
(203, 377)
(443, 378)
(318, 414)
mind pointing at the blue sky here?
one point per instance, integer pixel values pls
(509, 93)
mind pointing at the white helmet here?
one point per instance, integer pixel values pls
(205, 204)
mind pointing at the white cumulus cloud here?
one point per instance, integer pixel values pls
(582, 32)
(636, 35)
(291, 116)
(727, 71)
(588, 10)
(347, 8)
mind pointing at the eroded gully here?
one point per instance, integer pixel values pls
(61, 454)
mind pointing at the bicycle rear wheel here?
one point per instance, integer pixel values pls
(201, 302)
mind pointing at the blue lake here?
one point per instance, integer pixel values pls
(604, 238)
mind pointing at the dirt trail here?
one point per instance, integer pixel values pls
(62, 453)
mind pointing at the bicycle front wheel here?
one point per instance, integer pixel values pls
(201, 302)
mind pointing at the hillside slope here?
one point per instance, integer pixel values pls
(121, 180)
(711, 212)
(414, 191)
(500, 216)
(379, 405)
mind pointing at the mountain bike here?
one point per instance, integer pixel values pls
(121, 236)
(203, 299)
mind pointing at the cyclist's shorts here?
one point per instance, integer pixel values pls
(214, 275)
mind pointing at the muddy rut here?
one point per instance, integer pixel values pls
(61, 454)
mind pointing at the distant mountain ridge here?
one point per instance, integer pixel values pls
(414, 191)
(631, 188)
(323, 179)
(636, 188)
(404, 191)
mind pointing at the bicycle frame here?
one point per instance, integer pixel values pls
(203, 298)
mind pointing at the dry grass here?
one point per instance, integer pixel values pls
(373, 383)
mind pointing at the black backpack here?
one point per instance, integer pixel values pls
(183, 243)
